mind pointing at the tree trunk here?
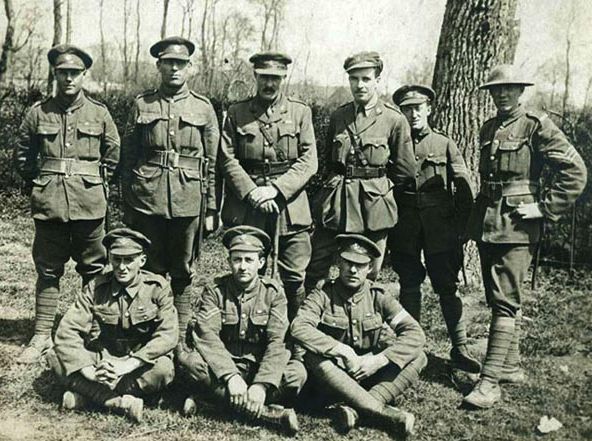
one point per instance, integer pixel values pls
(57, 38)
(137, 58)
(103, 46)
(126, 9)
(68, 21)
(475, 36)
(165, 14)
(8, 39)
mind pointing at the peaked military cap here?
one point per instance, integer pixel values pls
(246, 238)
(363, 60)
(126, 242)
(357, 248)
(271, 63)
(504, 74)
(410, 94)
(67, 56)
(176, 48)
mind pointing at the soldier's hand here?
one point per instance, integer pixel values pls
(369, 365)
(255, 400)
(350, 359)
(237, 391)
(89, 372)
(262, 194)
(529, 211)
(269, 207)
(105, 373)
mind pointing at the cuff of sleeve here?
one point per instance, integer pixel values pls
(141, 356)
(80, 364)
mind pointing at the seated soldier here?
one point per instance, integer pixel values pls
(363, 348)
(237, 344)
(114, 345)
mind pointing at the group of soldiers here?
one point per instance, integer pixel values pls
(251, 342)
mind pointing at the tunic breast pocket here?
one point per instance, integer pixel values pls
(107, 315)
(89, 139)
(190, 132)
(371, 329)
(514, 157)
(340, 148)
(247, 146)
(335, 326)
(288, 142)
(145, 318)
(49, 139)
(258, 327)
(151, 130)
(229, 326)
(434, 168)
(376, 151)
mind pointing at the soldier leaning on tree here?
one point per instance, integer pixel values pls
(68, 149)
(268, 154)
(432, 219)
(368, 151)
(506, 220)
(168, 169)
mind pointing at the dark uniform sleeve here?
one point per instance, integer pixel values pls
(130, 146)
(463, 194)
(235, 175)
(109, 145)
(206, 337)
(570, 171)
(306, 165)
(74, 326)
(402, 158)
(165, 337)
(211, 141)
(304, 326)
(27, 148)
(276, 356)
(410, 338)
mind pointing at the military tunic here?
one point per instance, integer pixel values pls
(431, 218)
(365, 321)
(368, 152)
(167, 142)
(108, 320)
(514, 149)
(62, 151)
(243, 332)
(272, 145)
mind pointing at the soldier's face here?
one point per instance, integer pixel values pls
(363, 84)
(352, 274)
(417, 115)
(506, 96)
(245, 266)
(69, 81)
(126, 268)
(173, 73)
(268, 86)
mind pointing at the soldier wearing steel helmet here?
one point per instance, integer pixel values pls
(168, 169)
(431, 219)
(506, 220)
(238, 351)
(268, 154)
(364, 349)
(67, 151)
(368, 152)
(114, 345)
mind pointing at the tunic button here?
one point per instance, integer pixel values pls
(259, 311)
(348, 181)
(417, 175)
(355, 338)
(244, 315)
(334, 323)
(172, 132)
(126, 314)
(223, 320)
(492, 157)
(354, 321)
(145, 317)
(417, 158)
(496, 142)
(242, 332)
(69, 128)
(491, 175)
(430, 155)
(172, 116)
(68, 144)
(352, 151)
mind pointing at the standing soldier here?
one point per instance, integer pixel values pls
(506, 218)
(268, 155)
(238, 338)
(169, 159)
(431, 219)
(368, 151)
(67, 152)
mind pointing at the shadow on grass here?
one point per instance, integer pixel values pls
(17, 331)
(48, 388)
(438, 371)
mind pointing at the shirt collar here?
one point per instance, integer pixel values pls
(67, 106)
(247, 292)
(173, 95)
(421, 133)
(132, 289)
(368, 107)
(511, 116)
(349, 296)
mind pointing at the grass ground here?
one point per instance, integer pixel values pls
(556, 347)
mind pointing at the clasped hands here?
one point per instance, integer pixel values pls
(360, 367)
(110, 371)
(244, 398)
(529, 211)
(263, 199)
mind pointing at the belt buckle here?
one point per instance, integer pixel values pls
(68, 165)
(172, 159)
(349, 171)
(266, 168)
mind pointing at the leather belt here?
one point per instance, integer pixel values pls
(171, 160)
(495, 190)
(422, 199)
(268, 168)
(69, 166)
(353, 172)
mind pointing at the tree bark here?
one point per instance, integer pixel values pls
(8, 38)
(103, 46)
(165, 14)
(57, 38)
(137, 58)
(68, 21)
(475, 36)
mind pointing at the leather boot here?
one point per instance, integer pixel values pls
(484, 395)
(279, 416)
(35, 350)
(295, 293)
(73, 400)
(345, 418)
(462, 359)
(410, 299)
(189, 406)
